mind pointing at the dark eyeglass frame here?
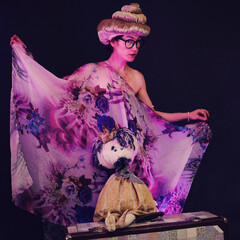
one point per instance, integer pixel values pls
(139, 43)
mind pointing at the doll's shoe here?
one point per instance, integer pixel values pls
(126, 219)
(110, 222)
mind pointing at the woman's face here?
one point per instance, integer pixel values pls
(122, 47)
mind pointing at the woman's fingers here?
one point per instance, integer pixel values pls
(200, 114)
(15, 39)
(204, 111)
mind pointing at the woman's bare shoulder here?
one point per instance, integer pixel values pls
(137, 75)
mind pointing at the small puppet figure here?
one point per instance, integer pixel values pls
(124, 196)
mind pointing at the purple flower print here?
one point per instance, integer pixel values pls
(105, 122)
(102, 104)
(85, 195)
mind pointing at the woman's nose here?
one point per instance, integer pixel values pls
(134, 48)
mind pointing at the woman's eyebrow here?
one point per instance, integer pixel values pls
(128, 37)
(132, 37)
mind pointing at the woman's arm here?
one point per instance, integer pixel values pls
(198, 114)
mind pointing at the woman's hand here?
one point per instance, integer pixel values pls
(16, 39)
(199, 114)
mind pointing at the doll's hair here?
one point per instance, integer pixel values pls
(125, 138)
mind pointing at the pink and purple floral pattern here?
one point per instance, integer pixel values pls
(55, 124)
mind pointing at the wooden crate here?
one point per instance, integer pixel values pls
(195, 225)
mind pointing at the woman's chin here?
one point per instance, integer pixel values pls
(131, 58)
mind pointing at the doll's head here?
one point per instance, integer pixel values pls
(118, 152)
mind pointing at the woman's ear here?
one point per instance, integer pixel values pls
(112, 42)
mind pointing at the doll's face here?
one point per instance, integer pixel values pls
(112, 151)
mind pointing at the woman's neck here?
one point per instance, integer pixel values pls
(117, 63)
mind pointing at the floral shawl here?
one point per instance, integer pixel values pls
(55, 123)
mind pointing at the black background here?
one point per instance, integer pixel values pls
(190, 60)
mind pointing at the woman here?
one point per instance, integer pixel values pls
(55, 170)
(125, 49)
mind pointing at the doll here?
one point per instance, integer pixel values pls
(124, 196)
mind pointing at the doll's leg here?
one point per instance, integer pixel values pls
(110, 222)
(126, 219)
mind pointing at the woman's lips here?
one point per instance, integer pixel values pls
(133, 54)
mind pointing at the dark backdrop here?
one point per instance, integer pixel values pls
(190, 60)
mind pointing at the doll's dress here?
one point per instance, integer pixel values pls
(124, 192)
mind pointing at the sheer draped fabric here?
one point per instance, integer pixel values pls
(55, 123)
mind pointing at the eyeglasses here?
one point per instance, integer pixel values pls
(130, 43)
